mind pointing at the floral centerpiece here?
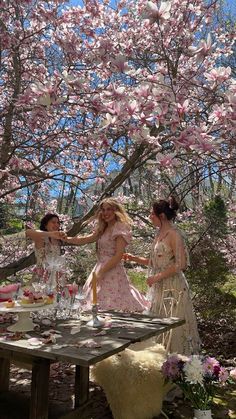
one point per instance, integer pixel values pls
(197, 376)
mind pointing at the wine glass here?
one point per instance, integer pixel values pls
(64, 304)
(75, 310)
(55, 262)
(81, 298)
(80, 295)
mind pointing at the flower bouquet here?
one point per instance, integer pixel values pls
(197, 376)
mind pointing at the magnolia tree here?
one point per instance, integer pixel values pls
(84, 87)
(51, 97)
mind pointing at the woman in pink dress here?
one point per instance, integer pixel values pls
(112, 235)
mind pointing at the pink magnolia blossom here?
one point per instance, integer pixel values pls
(92, 74)
(183, 108)
(120, 63)
(203, 49)
(154, 13)
(218, 113)
(110, 120)
(218, 75)
(166, 160)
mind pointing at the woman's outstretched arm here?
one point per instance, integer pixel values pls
(137, 259)
(38, 235)
(81, 240)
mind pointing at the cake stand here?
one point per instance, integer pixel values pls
(24, 322)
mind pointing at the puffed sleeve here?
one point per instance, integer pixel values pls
(123, 230)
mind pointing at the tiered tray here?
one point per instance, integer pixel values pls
(24, 322)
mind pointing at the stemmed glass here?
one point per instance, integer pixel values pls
(18, 291)
(75, 310)
(64, 304)
(80, 298)
(55, 265)
(41, 287)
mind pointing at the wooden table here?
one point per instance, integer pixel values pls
(126, 329)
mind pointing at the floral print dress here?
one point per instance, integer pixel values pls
(51, 250)
(170, 297)
(114, 290)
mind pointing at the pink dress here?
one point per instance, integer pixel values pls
(114, 291)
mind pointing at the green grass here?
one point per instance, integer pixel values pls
(13, 226)
(138, 279)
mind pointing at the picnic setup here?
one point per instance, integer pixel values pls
(80, 342)
(117, 209)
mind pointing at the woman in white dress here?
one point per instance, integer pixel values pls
(47, 242)
(169, 290)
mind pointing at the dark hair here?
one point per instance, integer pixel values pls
(168, 208)
(46, 219)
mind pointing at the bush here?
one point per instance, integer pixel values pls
(12, 226)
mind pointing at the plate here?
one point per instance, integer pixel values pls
(33, 305)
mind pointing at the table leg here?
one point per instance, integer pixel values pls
(39, 389)
(81, 385)
(4, 374)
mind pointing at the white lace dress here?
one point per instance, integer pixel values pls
(51, 248)
(170, 297)
(49, 251)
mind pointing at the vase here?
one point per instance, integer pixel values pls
(202, 414)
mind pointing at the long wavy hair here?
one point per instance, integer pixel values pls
(120, 214)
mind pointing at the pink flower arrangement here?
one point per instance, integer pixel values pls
(197, 376)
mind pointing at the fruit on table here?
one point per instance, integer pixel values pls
(10, 303)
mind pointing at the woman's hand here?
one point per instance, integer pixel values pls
(137, 259)
(58, 235)
(99, 275)
(152, 280)
(128, 257)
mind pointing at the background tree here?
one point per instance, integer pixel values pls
(93, 88)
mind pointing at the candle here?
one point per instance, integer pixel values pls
(94, 287)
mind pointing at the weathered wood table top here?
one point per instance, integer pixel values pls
(78, 344)
(121, 331)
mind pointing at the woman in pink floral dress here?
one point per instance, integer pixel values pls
(113, 234)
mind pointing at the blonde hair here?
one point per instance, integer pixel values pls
(120, 213)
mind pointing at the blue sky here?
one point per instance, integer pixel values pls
(230, 3)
